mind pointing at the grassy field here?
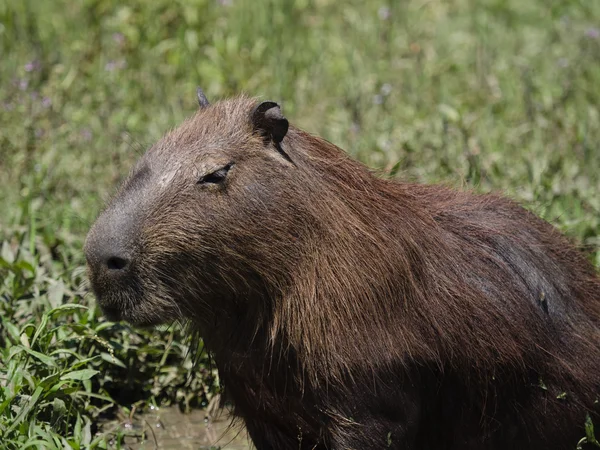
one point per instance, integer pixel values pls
(490, 94)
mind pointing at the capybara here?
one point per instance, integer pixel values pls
(347, 311)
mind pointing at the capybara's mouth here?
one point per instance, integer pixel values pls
(134, 315)
(112, 313)
(131, 306)
(111, 308)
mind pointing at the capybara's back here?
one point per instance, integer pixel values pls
(345, 311)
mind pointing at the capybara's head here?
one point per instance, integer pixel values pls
(190, 233)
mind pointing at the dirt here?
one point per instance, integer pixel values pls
(168, 428)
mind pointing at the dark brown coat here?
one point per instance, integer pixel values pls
(345, 311)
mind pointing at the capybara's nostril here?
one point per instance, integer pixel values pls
(117, 263)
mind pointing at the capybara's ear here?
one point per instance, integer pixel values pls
(268, 120)
(202, 100)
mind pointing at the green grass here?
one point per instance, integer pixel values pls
(489, 94)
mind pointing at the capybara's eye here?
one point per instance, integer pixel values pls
(217, 176)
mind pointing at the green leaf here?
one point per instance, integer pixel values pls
(77, 429)
(39, 443)
(43, 358)
(7, 254)
(66, 309)
(40, 328)
(25, 340)
(14, 350)
(58, 408)
(98, 396)
(65, 351)
(449, 113)
(30, 404)
(84, 374)
(13, 331)
(58, 386)
(87, 432)
(394, 169)
(49, 380)
(112, 360)
(589, 431)
(56, 293)
(83, 362)
(5, 264)
(24, 265)
(103, 326)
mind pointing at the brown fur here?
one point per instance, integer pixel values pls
(346, 311)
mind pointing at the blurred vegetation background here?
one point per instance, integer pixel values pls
(483, 94)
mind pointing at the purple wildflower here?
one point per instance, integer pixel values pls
(111, 66)
(86, 135)
(32, 66)
(118, 38)
(384, 13)
(593, 33)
